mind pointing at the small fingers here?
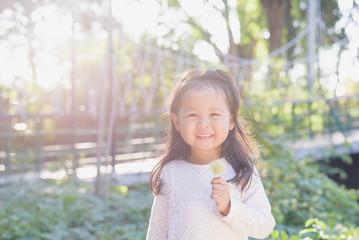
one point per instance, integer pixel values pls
(217, 197)
(218, 192)
(218, 180)
(220, 187)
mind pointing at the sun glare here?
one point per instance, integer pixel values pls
(137, 17)
(48, 41)
(52, 38)
(20, 126)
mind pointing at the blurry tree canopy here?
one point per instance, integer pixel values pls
(252, 29)
(259, 23)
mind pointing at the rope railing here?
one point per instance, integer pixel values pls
(45, 149)
(294, 120)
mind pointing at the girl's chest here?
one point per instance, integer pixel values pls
(191, 185)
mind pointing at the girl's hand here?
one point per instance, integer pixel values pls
(220, 194)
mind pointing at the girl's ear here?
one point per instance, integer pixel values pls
(231, 123)
(175, 121)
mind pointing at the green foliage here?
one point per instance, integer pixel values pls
(316, 229)
(250, 14)
(298, 190)
(68, 210)
(50, 210)
(299, 119)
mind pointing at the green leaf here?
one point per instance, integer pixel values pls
(274, 234)
(347, 145)
(320, 225)
(310, 221)
(283, 235)
(307, 230)
(294, 237)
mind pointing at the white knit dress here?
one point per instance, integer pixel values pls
(184, 210)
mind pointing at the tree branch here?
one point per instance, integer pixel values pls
(232, 45)
(206, 36)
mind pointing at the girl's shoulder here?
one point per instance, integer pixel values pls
(172, 165)
(169, 171)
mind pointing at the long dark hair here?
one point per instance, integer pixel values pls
(238, 148)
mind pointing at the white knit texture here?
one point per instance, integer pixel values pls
(184, 210)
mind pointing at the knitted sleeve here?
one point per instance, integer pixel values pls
(251, 215)
(158, 224)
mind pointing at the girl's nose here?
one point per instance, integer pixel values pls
(202, 123)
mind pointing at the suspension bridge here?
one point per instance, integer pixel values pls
(118, 123)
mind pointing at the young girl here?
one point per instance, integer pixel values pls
(190, 202)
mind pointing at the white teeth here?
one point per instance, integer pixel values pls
(204, 135)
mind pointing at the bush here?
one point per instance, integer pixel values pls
(68, 210)
(316, 229)
(298, 190)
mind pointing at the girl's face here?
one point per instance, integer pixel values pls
(204, 122)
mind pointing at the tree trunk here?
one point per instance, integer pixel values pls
(100, 132)
(274, 12)
(111, 132)
(108, 78)
(73, 95)
(31, 51)
(291, 32)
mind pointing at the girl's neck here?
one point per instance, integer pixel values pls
(202, 158)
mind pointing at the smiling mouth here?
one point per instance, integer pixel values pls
(204, 135)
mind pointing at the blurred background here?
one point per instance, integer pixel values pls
(84, 84)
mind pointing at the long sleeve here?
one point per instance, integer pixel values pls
(158, 224)
(251, 215)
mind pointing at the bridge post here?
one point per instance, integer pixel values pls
(7, 144)
(311, 134)
(39, 158)
(293, 120)
(311, 46)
